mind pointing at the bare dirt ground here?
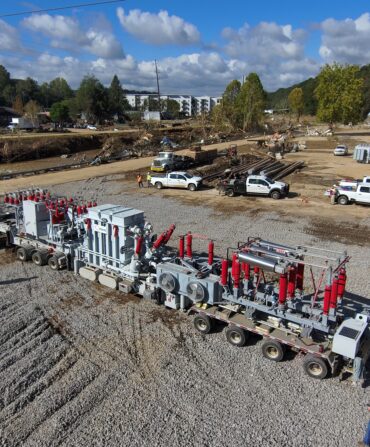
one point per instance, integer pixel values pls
(84, 366)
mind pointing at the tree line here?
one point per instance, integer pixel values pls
(97, 102)
(338, 96)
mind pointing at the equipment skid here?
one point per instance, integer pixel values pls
(292, 297)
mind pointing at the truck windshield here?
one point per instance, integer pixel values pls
(268, 180)
(188, 176)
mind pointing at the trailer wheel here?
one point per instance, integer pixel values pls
(342, 200)
(230, 193)
(192, 187)
(158, 185)
(40, 258)
(273, 350)
(203, 324)
(236, 336)
(53, 263)
(24, 254)
(315, 367)
(276, 195)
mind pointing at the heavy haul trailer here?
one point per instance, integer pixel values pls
(247, 298)
(259, 290)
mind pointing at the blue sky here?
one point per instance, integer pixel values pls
(200, 45)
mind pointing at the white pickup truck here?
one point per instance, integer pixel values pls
(255, 185)
(176, 180)
(360, 194)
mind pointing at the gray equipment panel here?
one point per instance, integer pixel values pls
(347, 339)
(36, 218)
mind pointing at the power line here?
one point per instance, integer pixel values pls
(60, 8)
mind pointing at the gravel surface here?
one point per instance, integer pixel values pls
(81, 365)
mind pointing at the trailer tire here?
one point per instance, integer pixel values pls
(273, 350)
(53, 263)
(343, 200)
(158, 185)
(24, 254)
(192, 187)
(40, 258)
(230, 193)
(202, 324)
(315, 367)
(166, 168)
(236, 336)
(276, 195)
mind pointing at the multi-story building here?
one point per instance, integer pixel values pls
(189, 105)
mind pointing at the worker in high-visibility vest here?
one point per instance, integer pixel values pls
(149, 179)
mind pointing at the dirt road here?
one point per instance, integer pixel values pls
(119, 167)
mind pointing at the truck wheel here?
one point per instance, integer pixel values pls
(315, 367)
(53, 263)
(24, 254)
(343, 200)
(40, 258)
(230, 193)
(273, 350)
(276, 195)
(203, 324)
(166, 168)
(158, 185)
(236, 336)
(192, 187)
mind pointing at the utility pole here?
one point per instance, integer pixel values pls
(158, 92)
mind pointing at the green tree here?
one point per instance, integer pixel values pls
(339, 93)
(230, 113)
(32, 108)
(27, 89)
(60, 89)
(59, 112)
(173, 108)
(296, 101)
(4, 77)
(92, 99)
(117, 99)
(251, 102)
(9, 94)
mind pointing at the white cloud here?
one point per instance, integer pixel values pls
(9, 40)
(346, 41)
(158, 29)
(66, 33)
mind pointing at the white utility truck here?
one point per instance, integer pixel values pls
(255, 185)
(176, 180)
(360, 194)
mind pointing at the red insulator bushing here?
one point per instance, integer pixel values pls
(300, 277)
(181, 247)
(79, 210)
(94, 203)
(139, 245)
(211, 252)
(283, 288)
(291, 282)
(159, 241)
(189, 248)
(89, 204)
(327, 295)
(247, 271)
(342, 279)
(11, 200)
(224, 272)
(334, 293)
(236, 275)
(88, 224)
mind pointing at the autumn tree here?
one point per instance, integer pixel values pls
(251, 102)
(32, 108)
(18, 105)
(296, 101)
(339, 94)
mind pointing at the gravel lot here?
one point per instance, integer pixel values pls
(84, 366)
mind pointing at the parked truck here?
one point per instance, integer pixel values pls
(347, 183)
(177, 179)
(359, 194)
(171, 161)
(255, 185)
